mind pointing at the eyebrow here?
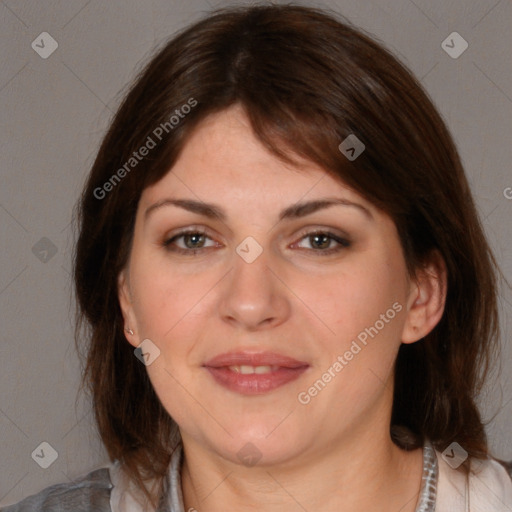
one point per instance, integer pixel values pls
(294, 211)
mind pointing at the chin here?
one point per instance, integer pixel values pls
(255, 447)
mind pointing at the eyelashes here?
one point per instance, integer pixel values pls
(194, 241)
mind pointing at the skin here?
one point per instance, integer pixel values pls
(334, 453)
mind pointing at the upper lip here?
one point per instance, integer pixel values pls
(254, 359)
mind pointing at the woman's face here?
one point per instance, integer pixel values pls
(284, 262)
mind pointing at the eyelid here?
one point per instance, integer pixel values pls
(334, 233)
(188, 230)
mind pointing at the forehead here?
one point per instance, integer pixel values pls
(223, 158)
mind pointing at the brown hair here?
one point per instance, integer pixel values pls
(306, 80)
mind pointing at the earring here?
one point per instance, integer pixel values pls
(129, 331)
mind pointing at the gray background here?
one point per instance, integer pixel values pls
(54, 112)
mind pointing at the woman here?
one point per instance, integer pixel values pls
(291, 301)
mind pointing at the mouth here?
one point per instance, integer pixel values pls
(254, 373)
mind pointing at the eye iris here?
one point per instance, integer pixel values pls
(320, 241)
(196, 239)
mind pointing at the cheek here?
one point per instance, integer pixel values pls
(365, 312)
(169, 309)
(356, 298)
(163, 298)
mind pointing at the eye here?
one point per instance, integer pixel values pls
(324, 242)
(188, 242)
(193, 241)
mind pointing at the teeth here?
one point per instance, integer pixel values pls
(246, 370)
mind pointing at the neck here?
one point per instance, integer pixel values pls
(370, 473)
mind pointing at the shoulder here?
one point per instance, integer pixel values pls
(492, 483)
(89, 492)
(488, 486)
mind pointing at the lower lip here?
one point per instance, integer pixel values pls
(255, 383)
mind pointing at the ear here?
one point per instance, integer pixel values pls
(125, 302)
(426, 300)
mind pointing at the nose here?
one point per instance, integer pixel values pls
(253, 296)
